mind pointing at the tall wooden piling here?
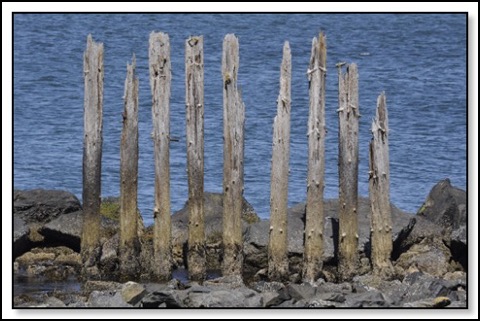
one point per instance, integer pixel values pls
(92, 154)
(195, 160)
(314, 225)
(379, 190)
(348, 119)
(233, 152)
(160, 82)
(129, 242)
(278, 241)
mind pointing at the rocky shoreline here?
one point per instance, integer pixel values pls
(429, 256)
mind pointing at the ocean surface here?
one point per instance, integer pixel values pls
(419, 60)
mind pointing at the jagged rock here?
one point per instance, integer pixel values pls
(132, 292)
(431, 257)
(107, 299)
(438, 302)
(169, 298)
(440, 222)
(334, 297)
(301, 291)
(420, 286)
(90, 286)
(256, 235)
(213, 206)
(371, 298)
(216, 299)
(274, 298)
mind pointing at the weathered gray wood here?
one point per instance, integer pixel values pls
(160, 82)
(348, 116)
(379, 190)
(314, 225)
(92, 153)
(195, 160)
(233, 136)
(129, 241)
(277, 246)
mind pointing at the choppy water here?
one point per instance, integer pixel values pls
(419, 60)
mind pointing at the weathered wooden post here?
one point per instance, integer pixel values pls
(379, 189)
(195, 161)
(160, 81)
(129, 242)
(348, 115)
(233, 136)
(92, 154)
(314, 225)
(278, 242)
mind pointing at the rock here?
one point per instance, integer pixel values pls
(441, 301)
(109, 260)
(216, 299)
(262, 286)
(256, 236)
(274, 298)
(90, 286)
(41, 206)
(132, 292)
(317, 303)
(445, 206)
(440, 226)
(34, 208)
(213, 228)
(49, 218)
(438, 302)
(334, 297)
(107, 299)
(53, 302)
(456, 280)
(53, 263)
(428, 257)
(31, 258)
(168, 298)
(231, 281)
(371, 298)
(301, 291)
(326, 287)
(418, 286)
(254, 301)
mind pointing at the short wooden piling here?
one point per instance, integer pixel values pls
(379, 190)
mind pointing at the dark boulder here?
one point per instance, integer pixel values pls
(437, 234)
(213, 206)
(256, 235)
(50, 218)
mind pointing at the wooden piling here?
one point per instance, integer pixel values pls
(92, 155)
(278, 241)
(233, 153)
(314, 225)
(129, 242)
(160, 82)
(379, 190)
(195, 159)
(348, 119)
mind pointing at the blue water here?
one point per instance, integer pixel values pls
(419, 60)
